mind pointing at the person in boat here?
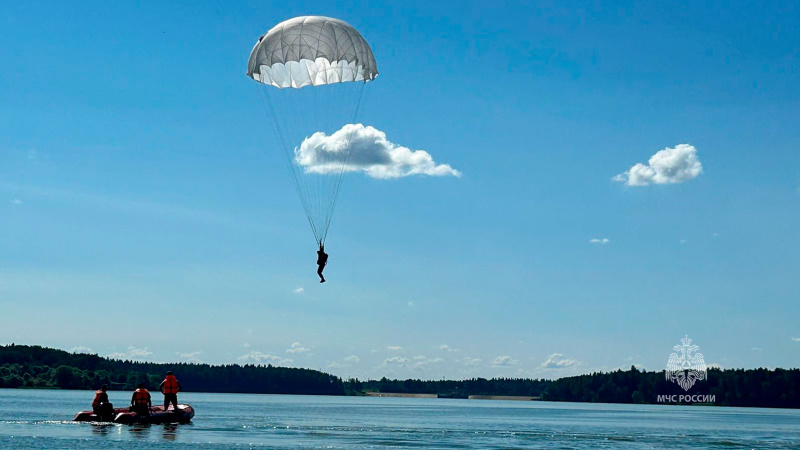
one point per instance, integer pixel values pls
(322, 261)
(141, 401)
(170, 388)
(100, 405)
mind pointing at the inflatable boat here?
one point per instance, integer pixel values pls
(158, 414)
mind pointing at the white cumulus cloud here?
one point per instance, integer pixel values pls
(796, 339)
(192, 357)
(424, 361)
(299, 290)
(133, 353)
(447, 348)
(504, 361)
(369, 152)
(398, 361)
(394, 348)
(558, 361)
(297, 348)
(472, 361)
(671, 165)
(138, 352)
(255, 357)
(353, 359)
(601, 241)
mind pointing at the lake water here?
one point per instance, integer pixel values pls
(41, 419)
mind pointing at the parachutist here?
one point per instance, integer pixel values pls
(322, 261)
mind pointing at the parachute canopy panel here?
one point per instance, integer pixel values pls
(311, 51)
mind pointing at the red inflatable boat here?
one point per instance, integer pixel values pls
(158, 414)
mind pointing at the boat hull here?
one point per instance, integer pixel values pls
(158, 414)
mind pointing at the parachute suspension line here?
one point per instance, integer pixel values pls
(339, 177)
(284, 144)
(338, 166)
(318, 155)
(296, 115)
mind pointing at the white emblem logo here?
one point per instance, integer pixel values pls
(686, 367)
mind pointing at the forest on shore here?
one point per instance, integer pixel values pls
(23, 366)
(39, 367)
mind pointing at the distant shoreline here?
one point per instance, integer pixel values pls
(35, 367)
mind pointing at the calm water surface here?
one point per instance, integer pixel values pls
(40, 419)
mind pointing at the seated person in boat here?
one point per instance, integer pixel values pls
(100, 405)
(140, 401)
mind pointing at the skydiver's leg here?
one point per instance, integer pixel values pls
(319, 272)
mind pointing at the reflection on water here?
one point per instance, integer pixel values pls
(100, 429)
(170, 431)
(140, 431)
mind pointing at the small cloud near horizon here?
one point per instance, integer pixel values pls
(346, 362)
(299, 290)
(133, 354)
(558, 361)
(667, 166)
(424, 361)
(504, 361)
(398, 361)
(297, 347)
(191, 357)
(394, 348)
(260, 358)
(601, 241)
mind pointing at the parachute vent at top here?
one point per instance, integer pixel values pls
(311, 51)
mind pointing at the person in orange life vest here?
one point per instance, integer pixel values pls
(140, 401)
(170, 388)
(100, 405)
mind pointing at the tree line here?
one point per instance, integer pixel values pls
(768, 388)
(524, 387)
(39, 367)
(777, 388)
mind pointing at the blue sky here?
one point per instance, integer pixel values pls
(141, 215)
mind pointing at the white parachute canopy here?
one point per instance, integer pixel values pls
(311, 50)
(325, 64)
